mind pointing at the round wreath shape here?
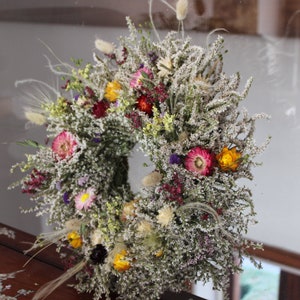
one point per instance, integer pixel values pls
(187, 223)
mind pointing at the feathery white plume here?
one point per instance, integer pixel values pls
(181, 9)
(103, 46)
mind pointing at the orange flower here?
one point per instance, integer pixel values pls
(229, 159)
(120, 263)
(74, 239)
(112, 91)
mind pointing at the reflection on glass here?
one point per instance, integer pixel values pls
(259, 283)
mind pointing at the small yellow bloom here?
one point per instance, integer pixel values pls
(74, 239)
(168, 121)
(229, 159)
(120, 263)
(112, 91)
(159, 253)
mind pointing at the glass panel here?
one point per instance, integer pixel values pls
(263, 41)
(259, 284)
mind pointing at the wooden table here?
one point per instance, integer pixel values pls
(44, 267)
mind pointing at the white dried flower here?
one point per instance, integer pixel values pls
(96, 237)
(181, 9)
(144, 227)
(165, 215)
(84, 102)
(73, 225)
(183, 136)
(152, 179)
(35, 118)
(128, 210)
(164, 66)
(105, 47)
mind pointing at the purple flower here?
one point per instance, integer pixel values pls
(66, 198)
(153, 56)
(58, 185)
(83, 180)
(97, 138)
(174, 159)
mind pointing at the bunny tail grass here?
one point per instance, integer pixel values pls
(50, 286)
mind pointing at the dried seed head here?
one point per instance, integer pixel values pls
(105, 47)
(181, 9)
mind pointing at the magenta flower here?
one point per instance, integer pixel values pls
(137, 77)
(64, 144)
(199, 161)
(85, 199)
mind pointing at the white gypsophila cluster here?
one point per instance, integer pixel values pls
(189, 220)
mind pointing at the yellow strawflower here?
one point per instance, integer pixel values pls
(229, 159)
(112, 91)
(74, 239)
(120, 263)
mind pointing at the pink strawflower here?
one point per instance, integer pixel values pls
(139, 76)
(64, 144)
(85, 199)
(199, 161)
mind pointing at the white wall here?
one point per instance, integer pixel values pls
(274, 64)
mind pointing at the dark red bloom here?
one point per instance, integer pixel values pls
(135, 118)
(64, 87)
(174, 189)
(100, 108)
(160, 93)
(124, 57)
(89, 92)
(206, 216)
(121, 59)
(35, 182)
(144, 104)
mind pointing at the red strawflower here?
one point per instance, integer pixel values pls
(100, 108)
(144, 104)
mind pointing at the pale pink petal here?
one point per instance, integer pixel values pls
(85, 199)
(64, 144)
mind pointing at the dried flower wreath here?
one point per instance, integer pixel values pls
(188, 222)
